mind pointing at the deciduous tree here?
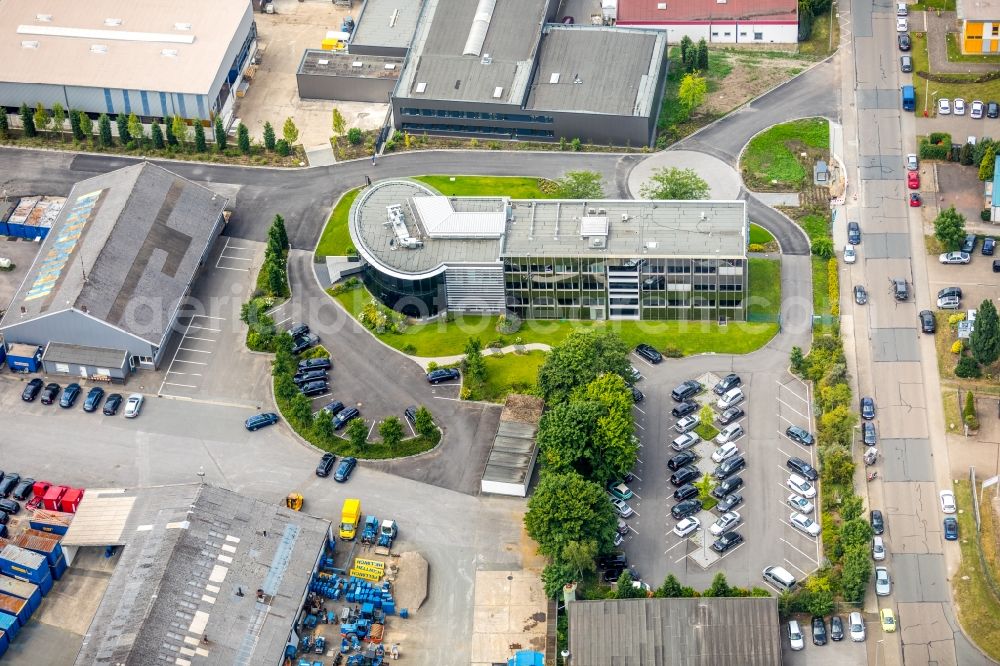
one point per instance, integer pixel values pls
(692, 91)
(59, 118)
(290, 132)
(357, 433)
(949, 228)
(473, 364)
(323, 425)
(580, 185)
(566, 507)
(856, 572)
(391, 431)
(135, 129)
(988, 163)
(675, 183)
(578, 360)
(423, 422)
(42, 119)
(338, 122)
(180, 130)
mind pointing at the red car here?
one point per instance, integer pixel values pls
(913, 180)
(914, 200)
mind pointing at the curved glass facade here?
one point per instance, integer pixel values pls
(414, 298)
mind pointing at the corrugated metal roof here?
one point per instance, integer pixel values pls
(61, 352)
(388, 23)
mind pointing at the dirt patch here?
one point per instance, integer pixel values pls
(522, 408)
(751, 75)
(410, 586)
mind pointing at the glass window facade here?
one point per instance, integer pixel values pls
(414, 298)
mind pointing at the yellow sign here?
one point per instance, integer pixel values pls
(366, 574)
(369, 564)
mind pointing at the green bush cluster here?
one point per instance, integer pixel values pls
(350, 284)
(833, 286)
(260, 326)
(935, 146)
(273, 277)
(508, 323)
(378, 318)
(969, 412)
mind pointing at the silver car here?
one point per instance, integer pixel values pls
(883, 586)
(805, 524)
(800, 504)
(685, 441)
(856, 624)
(878, 549)
(133, 405)
(954, 258)
(623, 509)
(726, 522)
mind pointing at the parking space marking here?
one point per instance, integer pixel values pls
(722, 557)
(180, 360)
(633, 529)
(642, 360)
(792, 408)
(790, 545)
(199, 351)
(203, 328)
(193, 374)
(372, 428)
(679, 543)
(279, 323)
(636, 495)
(796, 531)
(191, 337)
(636, 475)
(174, 384)
(639, 426)
(639, 410)
(789, 563)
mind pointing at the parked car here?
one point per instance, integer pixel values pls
(927, 322)
(729, 501)
(69, 396)
(622, 527)
(8, 483)
(687, 526)
(877, 521)
(313, 389)
(950, 291)
(888, 619)
(728, 416)
(836, 628)
(682, 459)
(344, 417)
(800, 435)
(729, 398)
(684, 408)
(976, 110)
(992, 109)
(730, 381)
(258, 421)
(111, 405)
(860, 295)
(805, 524)
(298, 330)
(649, 353)
(10, 507)
(325, 465)
(913, 180)
(901, 24)
(819, 631)
(850, 256)
(868, 434)
(883, 586)
(619, 490)
(686, 508)
(345, 469)
(878, 548)
(442, 375)
(686, 424)
(951, 528)
(867, 408)
(800, 486)
(856, 625)
(304, 342)
(93, 400)
(685, 475)
(944, 106)
(23, 488)
(632, 375)
(915, 200)
(615, 560)
(949, 303)
(912, 163)
(969, 243)
(729, 467)
(685, 441)
(958, 106)
(727, 487)
(334, 408)
(637, 395)
(50, 392)
(133, 406)
(795, 639)
(687, 389)
(947, 501)
(725, 451)
(410, 414)
(309, 376)
(800, 504)
(906, 64)
(989, 246)
(315, 364)
(903, 40)
(802, 468)
(726, 522)
(853, 233)
(687, 491)
(955, 258)
(32, 389)
(727, 541)
(623, 509)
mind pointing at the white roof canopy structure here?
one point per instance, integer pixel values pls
(440, 220)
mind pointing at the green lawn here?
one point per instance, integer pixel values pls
(955, 52)
(820, 42)
(510, 373)
(928, 92)
(816, 226)
(930, 5)
(765, 287)
(978, 608)
(760, 235)
(336, 239)
(773, 155)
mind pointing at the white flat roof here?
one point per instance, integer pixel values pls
(157, 45)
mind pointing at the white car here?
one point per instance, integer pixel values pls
(685, 441)
(949, 302)
(878, 549)
(133, 405)
(805, 524)
(687, 424)
(730, 433)
(976, 110)
(912, 164)
(944, 106)
(795, 637)
(850, 256)
(901, 25)
(800, 504)
(958, 106)
(726, 522)
(801, 486)
(883, 586)
(727, 450)
(687, 526)
(623, 509)
(947, 501)
(857, 627)
(955, 258)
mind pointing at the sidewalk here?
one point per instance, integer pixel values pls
(424, 361)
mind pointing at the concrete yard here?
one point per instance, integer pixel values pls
(22, 253)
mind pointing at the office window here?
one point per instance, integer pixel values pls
(758, 35)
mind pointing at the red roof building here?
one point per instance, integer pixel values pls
(717, 21)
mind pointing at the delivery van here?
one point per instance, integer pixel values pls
(350, 516)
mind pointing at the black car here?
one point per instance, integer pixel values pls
(951, 528)
(93, 400)
(726, 541)
(685, 475)
(303, 342)
(729, 467)
(315, 364)
(853, 233)
(836, 628)
(4, 519)
(342, 419)
(50, 392)
(616, 560)
(685, 492)
(648, 353)
(32, 389)
(860, 295)
(298, 330)
(345, 468)
(684, 408)
(262, 420)
(878, 522)
(69, 396)
(10, 480)
(728, 502)
(334, 408)
(730, 381)
(23, 488)
(867, 408)
(904, 42)
(685, 509)
(9, 506)
(819, 631)
(612, 575)
(989, 245)
(637, 395)
(802, 468)
(314, 388)
(325, 464)
(868, 434)
(969, 243)
(308, 376)
(927, 321)
(727, 487)
(950, 291)
(410, 413)
(112, 404)
(730, 415)
(686, 390)
(800, 435)
(442, 375)
(992, 110)
(682, 459)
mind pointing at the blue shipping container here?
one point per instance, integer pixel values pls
(24, 564)
(44, 543)
(15, 606)
(49, 527)
(9, 625)
(59, 568)
(3, 643)
(45, 585)
(24, 358)
(23, 589)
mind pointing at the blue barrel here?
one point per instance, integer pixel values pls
(23, 589)
(20, 563)
(9, 626)
(15, 606)
(59, 568)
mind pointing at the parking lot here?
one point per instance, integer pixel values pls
(835, 653)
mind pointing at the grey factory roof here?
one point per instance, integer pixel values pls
(675, 632)
(387, 23)
(440, 69)
(978, 10)
(544, 227)
(617, 70)
(512, 456)
(333, 63)
(124, 250)
(61, 352)
(170, 45)
(190, 550)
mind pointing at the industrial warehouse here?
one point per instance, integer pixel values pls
(105, 290)
(154, 58)
(425, 253)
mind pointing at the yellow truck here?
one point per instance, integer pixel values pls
(350, 516)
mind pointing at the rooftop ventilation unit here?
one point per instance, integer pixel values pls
(99, 48)
(480, 25)
(420, 87)
(357, 63)
(112, 22)
(44, 18)
(29, 44)
(398, 224)
(598, 243)
(497, 92)
(390, 65)
(169, 53)
(487, 60)
(323, 62)
(554, 78)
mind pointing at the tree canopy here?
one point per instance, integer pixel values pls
(580, 185)
(985, 339)
(565, 508)
(949, 228)
(674, 183)
(578, 360)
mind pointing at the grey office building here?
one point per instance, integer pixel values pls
(111, 276)
(424, 253)
(503, 70)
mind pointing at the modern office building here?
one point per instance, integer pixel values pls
(715, 21)
(504, 70)
(154, 58)
(424, 252)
